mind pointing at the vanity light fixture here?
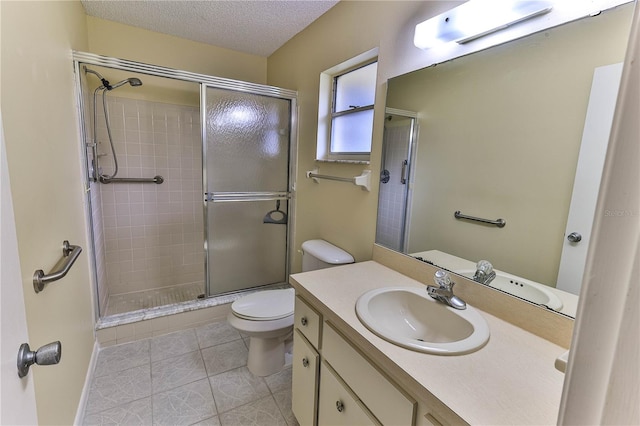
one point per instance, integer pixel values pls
(475, 19)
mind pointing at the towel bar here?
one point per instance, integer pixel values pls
(364, 180)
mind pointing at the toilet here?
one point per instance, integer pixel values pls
(267, 316)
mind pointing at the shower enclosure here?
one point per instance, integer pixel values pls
(188, 183)
(395, 176)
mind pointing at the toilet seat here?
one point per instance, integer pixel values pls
(265, 305)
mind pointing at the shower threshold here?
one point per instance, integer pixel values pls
(193, 304)
(152, 298)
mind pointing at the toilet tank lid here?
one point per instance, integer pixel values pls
(327, 252)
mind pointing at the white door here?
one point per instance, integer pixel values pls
(595, 138)
(17, 396)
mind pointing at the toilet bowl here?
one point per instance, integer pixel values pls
(267, 316)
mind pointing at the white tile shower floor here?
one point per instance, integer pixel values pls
(191, 377)
(128, 302)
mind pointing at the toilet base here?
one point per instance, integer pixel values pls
(267, 342)
(266, 356)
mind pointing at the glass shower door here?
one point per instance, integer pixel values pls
(393, 196)
(247, 145)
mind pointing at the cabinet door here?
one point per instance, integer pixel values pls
(308, 321)
(386, 402)
(305, 380)
(337, 406)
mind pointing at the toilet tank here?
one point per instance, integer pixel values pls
(319, 254)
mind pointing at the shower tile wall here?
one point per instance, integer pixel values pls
(153, 234)
(391, 198)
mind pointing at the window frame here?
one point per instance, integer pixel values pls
(326, 109)
(335, 114)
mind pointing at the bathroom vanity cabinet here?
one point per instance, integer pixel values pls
(335, 384)
(345, 375)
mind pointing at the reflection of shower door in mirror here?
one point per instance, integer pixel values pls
(247, 141)
(394, 179)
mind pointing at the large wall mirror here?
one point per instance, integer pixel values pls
(500, 134)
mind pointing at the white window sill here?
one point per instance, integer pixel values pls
(318, 160)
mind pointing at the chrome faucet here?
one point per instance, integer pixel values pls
(444, 291)
(484, 272)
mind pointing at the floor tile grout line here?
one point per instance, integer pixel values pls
(151, 385)
(218, 344)
(279, 408)
(213, 396)
(119, 405)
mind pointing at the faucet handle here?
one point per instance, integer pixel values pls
(484, 266)
(443, 279)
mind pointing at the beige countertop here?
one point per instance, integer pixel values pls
(512, 380)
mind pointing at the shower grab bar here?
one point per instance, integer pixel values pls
(500, 223)
(70, 253)
(245, 196)
(364, 180)
(156, 179)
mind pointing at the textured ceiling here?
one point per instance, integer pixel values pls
(256, 27)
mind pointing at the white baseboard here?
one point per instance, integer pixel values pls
(87, 385)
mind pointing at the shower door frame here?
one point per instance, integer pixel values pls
(211, 197)
(204, 81)
(412, 147)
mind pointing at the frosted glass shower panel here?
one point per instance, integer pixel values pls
(244, 251)
(247, 142)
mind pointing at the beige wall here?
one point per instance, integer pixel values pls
(44, 154)
(38, 107)
(127, 42)
(340, 212)
(499, 136)
(153, 89)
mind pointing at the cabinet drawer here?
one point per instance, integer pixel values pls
(304, 397)
(308, 321)
(337, 405)
(389, 404)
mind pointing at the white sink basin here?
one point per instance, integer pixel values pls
(522, 288)
(408, 317)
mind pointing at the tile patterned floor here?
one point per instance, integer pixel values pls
(191, 377)
(128, 302)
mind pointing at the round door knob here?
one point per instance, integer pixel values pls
(305, 362)
(574, 237)
(339, 406)
(303, 321)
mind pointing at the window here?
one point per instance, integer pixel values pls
(352, 110)
(345, 119)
